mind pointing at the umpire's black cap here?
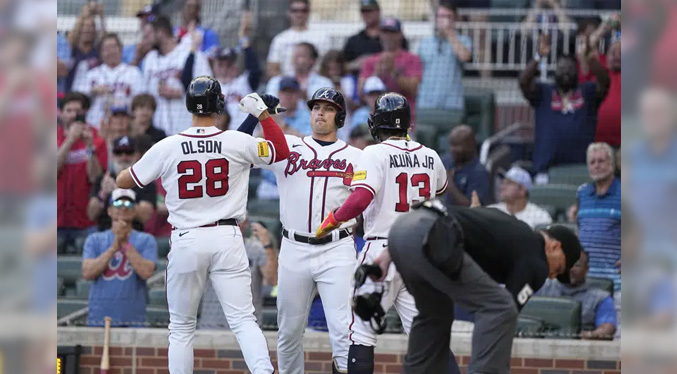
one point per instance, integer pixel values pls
(571, 247)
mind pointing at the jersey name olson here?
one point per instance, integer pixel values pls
(407, 160)
(201, 146)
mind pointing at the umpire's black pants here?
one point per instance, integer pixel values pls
(475, 291)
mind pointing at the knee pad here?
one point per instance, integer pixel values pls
(360, 359)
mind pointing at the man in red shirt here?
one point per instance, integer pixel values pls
(82, 157)
(399, 70)
(609, 113)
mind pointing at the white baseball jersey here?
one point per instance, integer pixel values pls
(125, 82)
(233, 93)
(314, 180)
(171, 115)
(399, 173)
(205, 172)
(282, 47)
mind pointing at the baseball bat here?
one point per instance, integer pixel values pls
(105, 359)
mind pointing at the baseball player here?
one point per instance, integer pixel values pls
(162, 72)
(390, 176)
(316, 177)
(205, 172)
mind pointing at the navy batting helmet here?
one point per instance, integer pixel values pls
(204, 96)
(333, 96)
(392, 112)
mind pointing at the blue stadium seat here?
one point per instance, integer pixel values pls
(560, 196)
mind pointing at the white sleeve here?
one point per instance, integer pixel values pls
(137, 81)
(257, 151)
(274, 53)
(201, 66)
(150, 166)
(84, 86)
(441, 175)
(369, 171)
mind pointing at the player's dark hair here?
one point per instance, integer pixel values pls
(163, 23)
(449, 4)
(113, 36)
(384, 134)
(311, 49)
(75, 96)
(144, 100)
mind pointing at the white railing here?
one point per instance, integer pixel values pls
(497, 46)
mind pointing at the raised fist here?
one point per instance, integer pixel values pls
(253, 104)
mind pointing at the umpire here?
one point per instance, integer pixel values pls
(463, 256)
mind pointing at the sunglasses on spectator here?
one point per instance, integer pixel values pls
(298, 10)
(127, 152)
(368, 10)
(123, 203)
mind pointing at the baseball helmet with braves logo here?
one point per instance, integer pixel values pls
(391, 112)
(204, 96)
(333, 96)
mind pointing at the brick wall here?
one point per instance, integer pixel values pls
(210, 361)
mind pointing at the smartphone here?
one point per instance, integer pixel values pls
(80, 118)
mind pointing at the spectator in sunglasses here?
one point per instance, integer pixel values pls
(119, 261)
(125, 153)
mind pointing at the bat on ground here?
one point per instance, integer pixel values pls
(105, 359)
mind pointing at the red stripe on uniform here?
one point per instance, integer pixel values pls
(326, 180)
(201, 136)
(404, 149)
(444, 188)
(136, 179)
(312, 183)
(365, 186)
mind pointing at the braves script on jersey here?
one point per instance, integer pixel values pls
(171, 115)
(313, 181)
(124, 82)
(205, 172)
(399, 173)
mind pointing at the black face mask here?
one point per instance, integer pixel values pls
(566, 82)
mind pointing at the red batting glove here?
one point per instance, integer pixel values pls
(328, 225)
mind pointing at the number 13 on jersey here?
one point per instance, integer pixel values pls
(420, 181)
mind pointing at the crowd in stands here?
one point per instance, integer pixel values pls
(116, 101)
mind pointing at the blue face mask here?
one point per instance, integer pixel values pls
(123, 203)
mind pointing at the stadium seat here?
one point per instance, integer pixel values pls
(394, 323)
(69, 268)
(269, 208)
(163, 246)
(435, 124)
(61, 245)
(79, 245)
(529, 327)
(82, 288)
(560, 196)
(161, 265)
(561, 316)
(157, 296)
(269, 319)
(273, 224)
(605, 284)
(569, 174)
(157, 316)
(66, 307)
(480, 110)
(59, 286)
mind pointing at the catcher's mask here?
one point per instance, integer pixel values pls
(368, 306)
